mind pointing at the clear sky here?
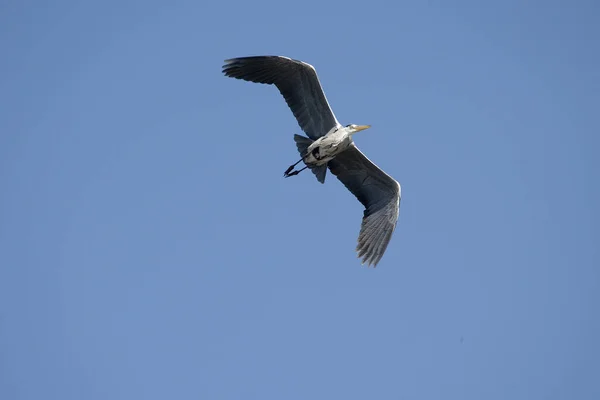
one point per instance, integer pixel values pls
(151, 249)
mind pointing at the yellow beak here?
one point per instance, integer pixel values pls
(362, 127)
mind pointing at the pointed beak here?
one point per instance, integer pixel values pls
(362, 128)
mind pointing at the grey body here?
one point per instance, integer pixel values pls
(329, 145)
(325, 148)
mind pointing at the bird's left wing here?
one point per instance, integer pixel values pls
(378, 192)
(298, 83)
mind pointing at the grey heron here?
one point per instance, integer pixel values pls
(329, 145)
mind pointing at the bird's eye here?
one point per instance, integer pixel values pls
(348, 126)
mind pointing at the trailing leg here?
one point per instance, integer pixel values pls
(287, 173)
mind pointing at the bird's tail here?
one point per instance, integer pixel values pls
(302, 144)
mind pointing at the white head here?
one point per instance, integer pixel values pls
(352, 128)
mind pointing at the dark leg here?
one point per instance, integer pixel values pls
(291, 167)
(288, 174)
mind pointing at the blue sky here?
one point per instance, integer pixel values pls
(150, 247)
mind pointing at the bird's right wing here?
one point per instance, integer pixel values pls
(378, 192)
(298, 83)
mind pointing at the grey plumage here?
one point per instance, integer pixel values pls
(302, 144)
(298, 83)
(379, 193)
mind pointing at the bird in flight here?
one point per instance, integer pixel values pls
(329, 145)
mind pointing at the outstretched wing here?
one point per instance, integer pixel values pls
(298, 83)
(378, 192)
